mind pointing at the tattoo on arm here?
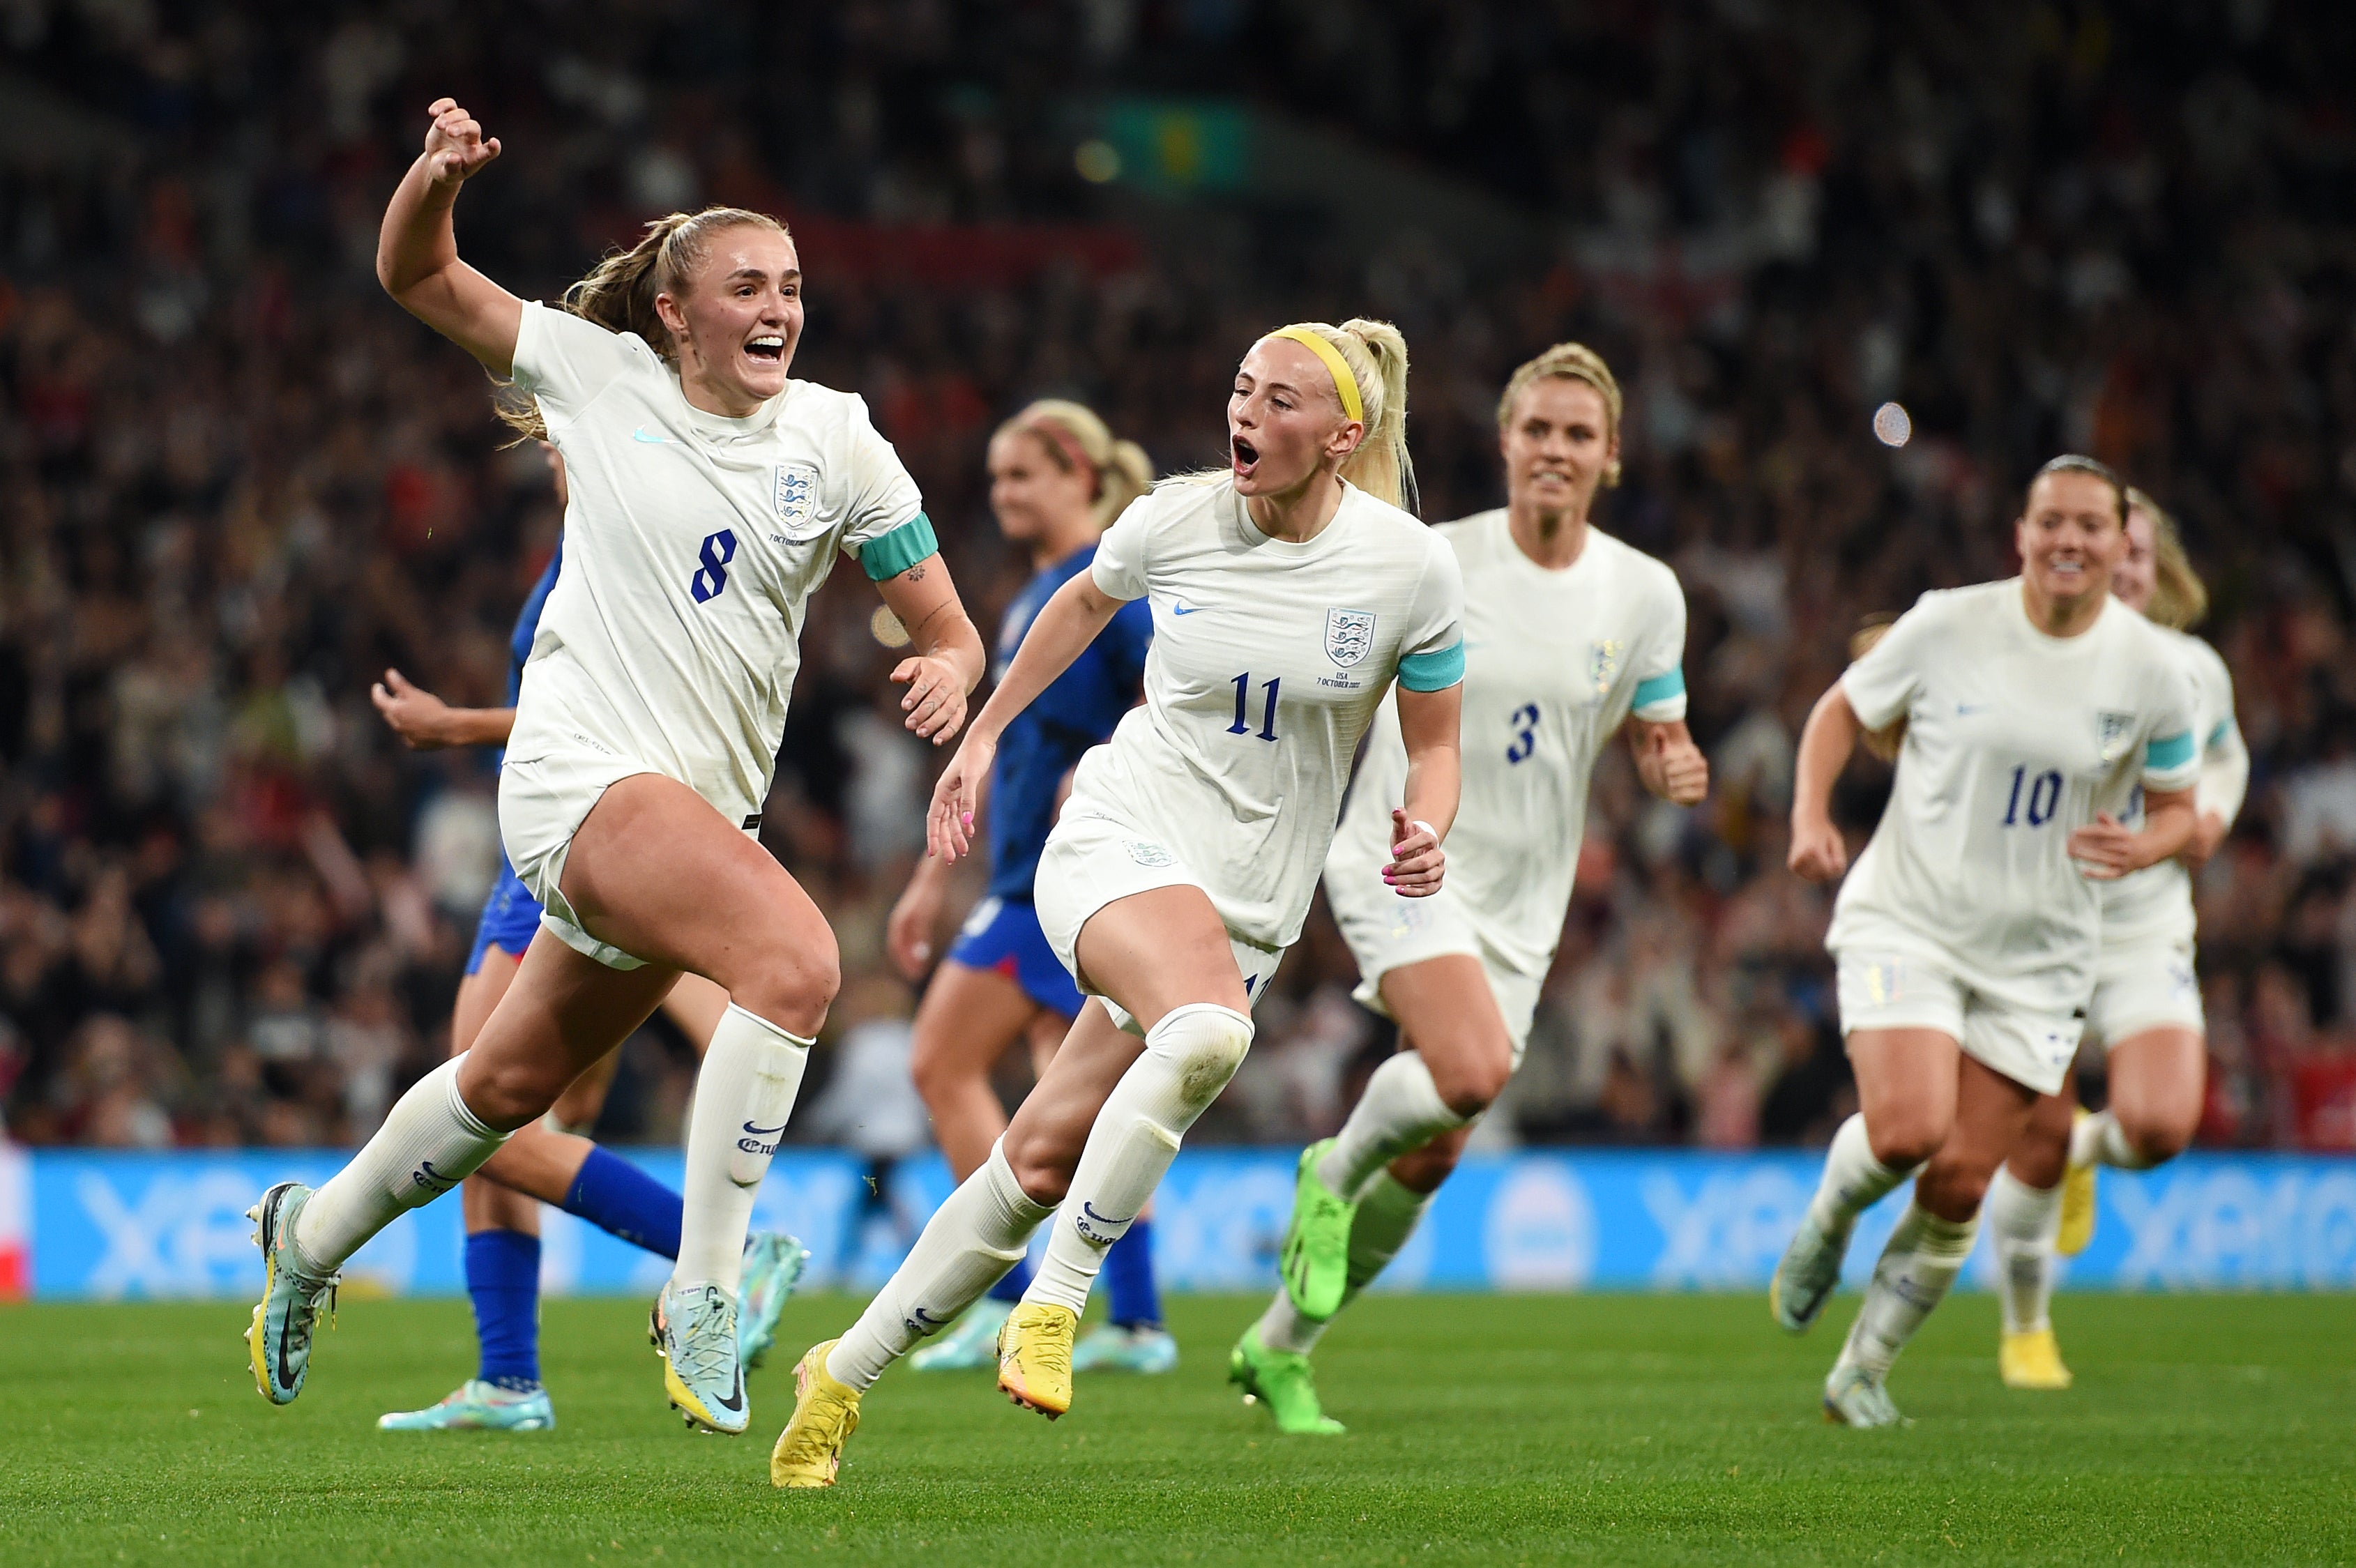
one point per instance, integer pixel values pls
(914, 574)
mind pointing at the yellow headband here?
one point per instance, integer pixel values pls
(1345, 385)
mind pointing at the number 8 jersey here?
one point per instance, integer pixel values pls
(1268, 659)
(2014, 738)
(692, 543)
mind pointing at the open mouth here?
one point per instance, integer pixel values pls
(1245, 455)
(769, 348)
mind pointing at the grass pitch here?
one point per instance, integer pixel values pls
(1606, 1428)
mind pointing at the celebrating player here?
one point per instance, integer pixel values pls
(1966, 938)
(709, 494)
(2146, 1005)
(1057, 481)
(1292, 591)
(549, 1160)
(1568, 633)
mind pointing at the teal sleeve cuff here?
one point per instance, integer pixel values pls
(1661, 687)
(895, 552)
(2168, 751)
(2217, 736)
(1435, 670)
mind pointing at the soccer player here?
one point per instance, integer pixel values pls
(2146, 1005)
(1567, 635)
(1057, 480)
(1966, 938)
(1292, 591)
(551, 1161)
(709, 497)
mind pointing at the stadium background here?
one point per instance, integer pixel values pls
(239, 482)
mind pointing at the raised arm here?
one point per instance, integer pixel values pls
(1818, 851)
(417, 250)
(1060, 634)
(1428, 723)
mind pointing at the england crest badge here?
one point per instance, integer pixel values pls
(2117, 734)
(1603, 664)
(1349, 635)
(796, 498)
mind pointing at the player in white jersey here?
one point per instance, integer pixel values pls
(2145, 1012)
(709, 495)
(1290, 592)
(1966, 937)
(1568, 633)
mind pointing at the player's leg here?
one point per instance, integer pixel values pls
(971, 1013)
(561, 1011)
(2024, 1218)
(2158, 1079)
(656, 873)
(1934, 1237)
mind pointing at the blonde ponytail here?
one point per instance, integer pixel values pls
(1075, 438)
(619, 292)
(2179, 600)
(1377, 355)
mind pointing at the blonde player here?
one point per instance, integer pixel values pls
(1567, 635)
(2146, 1005)
(1289, 591)
(709, 497)
(1965, 938)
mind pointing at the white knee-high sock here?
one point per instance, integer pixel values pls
(429, 1144)
(1401, 1110)
(1853, 1181)
(2022, 1224)
(1387, 1217)
(1189, 1056)
(1924, 1255)
(744, 1096)
(972, 1240)
(2099, 1140)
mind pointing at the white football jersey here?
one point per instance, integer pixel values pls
(2014, 738)
(691, 543)
(1268, 661)
(2156, 902)
(1553, 662)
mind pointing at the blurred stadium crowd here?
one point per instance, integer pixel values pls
(237, 483)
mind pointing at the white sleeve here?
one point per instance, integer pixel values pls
(1660, 695)
(2224, 757)
(1119, 570)
(1880, 687)
(1436, 614)
(2171, 752)
(883, 495)
(564, 361)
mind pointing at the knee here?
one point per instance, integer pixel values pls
(790, 983)
(1953, 1192)
(1903, 1142)
(935, 1069)
(1423, 1170)
(1043, 1171)
(509, 1094)
(2157, 1135)
(1472, 1072)
(1205, 1048)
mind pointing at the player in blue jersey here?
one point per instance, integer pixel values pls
(1057, 480)
(548, 1161)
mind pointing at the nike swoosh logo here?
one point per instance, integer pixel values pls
(1180, 607)
(640, 434)
(764, 1132)
(735, 1402)
(1089, 1209)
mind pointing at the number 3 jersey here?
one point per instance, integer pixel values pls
(1268, 661)
(2014, 739)
(1554, 661)
(692, 542)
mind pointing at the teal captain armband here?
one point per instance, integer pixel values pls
(2217, 736)
(1434, 670)
(895, 552)
(2168, 751)
(1660, 689)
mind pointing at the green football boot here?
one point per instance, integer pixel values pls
(694, 1332)
(773, 1266)
(1315, 1261)
(1281, 1381)
(476, 1406)
(1855, 1397)
(278, 1341)
(1805, 1276)
(1144, 1348)
(971, 1345)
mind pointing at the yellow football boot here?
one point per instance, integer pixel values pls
(1035, 1357)
(2033, 1361)
(826, 1413)
(2077, 1205)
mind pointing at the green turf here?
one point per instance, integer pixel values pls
(1610, 1429)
